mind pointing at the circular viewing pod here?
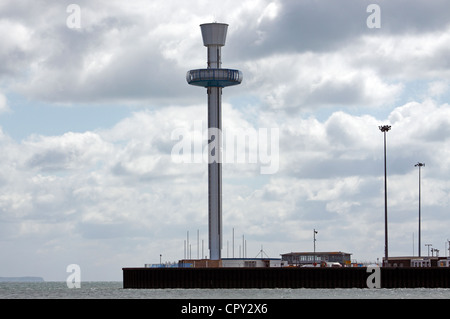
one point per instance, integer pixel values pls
(214, 77)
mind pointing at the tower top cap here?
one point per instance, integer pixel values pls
(214, 33)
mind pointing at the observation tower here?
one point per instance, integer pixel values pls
(214, 78)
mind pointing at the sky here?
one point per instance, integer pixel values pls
(93, 96)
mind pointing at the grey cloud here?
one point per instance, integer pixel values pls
(114, 57)
(337, 167)
(322, 26)
(130, 72)
(52, 160)
(353, 146)
(100, 231)
(335, 93)
(416, 16)
(303, 26)
(120, 56)
(71, 151)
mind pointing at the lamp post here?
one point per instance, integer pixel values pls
(448, 241)
(420, 166)
(314, 237)
(384, 129)
(434, 250)
(428, 245)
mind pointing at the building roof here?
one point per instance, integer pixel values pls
(317, 253)
(414, 257)
(246, 258)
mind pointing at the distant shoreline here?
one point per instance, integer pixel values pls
(22, 279)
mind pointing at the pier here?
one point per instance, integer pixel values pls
(285, 277)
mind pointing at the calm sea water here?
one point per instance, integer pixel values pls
(114, 290)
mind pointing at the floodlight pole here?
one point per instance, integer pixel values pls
(384, 129)
(314, 237)
(420, 166)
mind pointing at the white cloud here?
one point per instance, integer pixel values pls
(112, 197)
(17, 45)
(67, 152)
(405, 57)
(4, 107)
(128, 55)
(121, 53)
(307, 81)
(320, 185)
(437, 88)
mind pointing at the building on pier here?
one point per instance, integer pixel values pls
(300, 259)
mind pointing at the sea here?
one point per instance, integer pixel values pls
(114, 290)
(110, 299)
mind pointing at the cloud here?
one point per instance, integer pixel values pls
(4, 107)
(437, 88)
(307, 81)
(405, 57)
(121, 53)
(113, 197)
(330, 178)
(298, 55)
(17, 46)
(71, 151)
